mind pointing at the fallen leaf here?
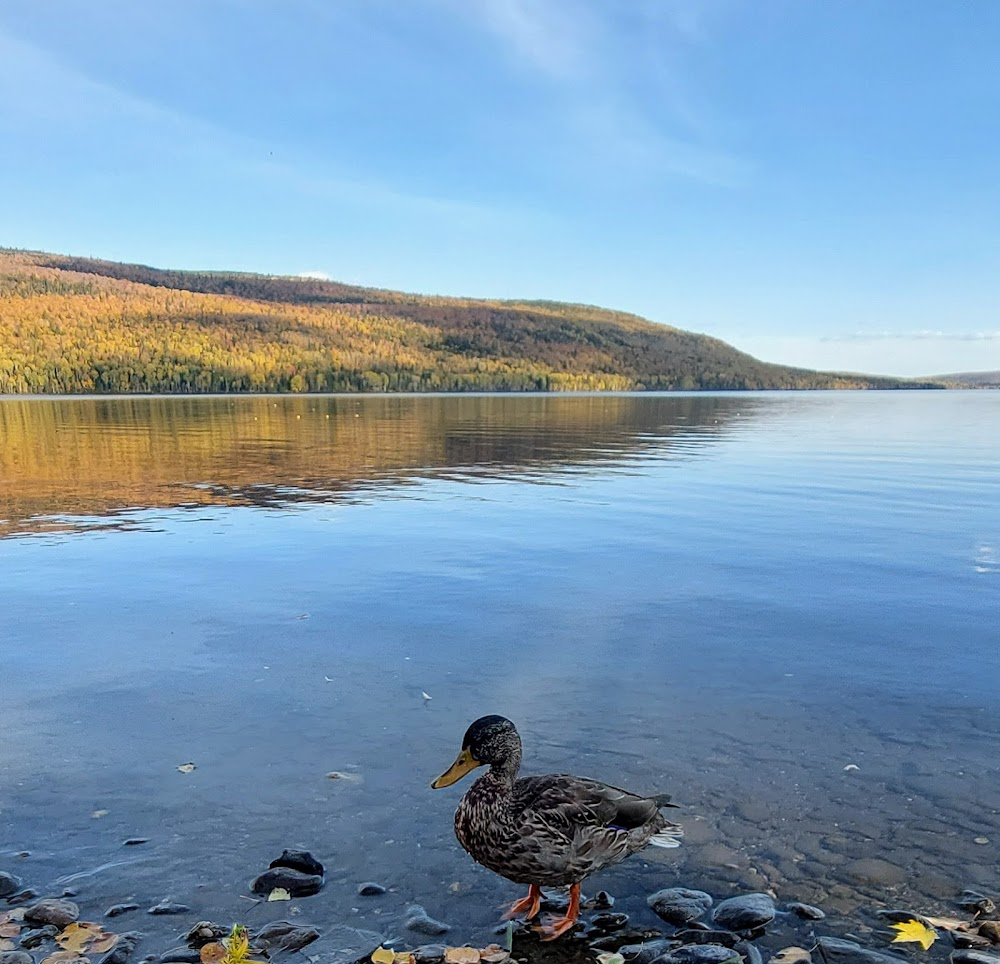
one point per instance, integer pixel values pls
(10, 930)
(211, 953)
(187, 768)
(84, 936)
(279, 893)
(403, 957)
(383, 956)
(948, 923)
(104, 944)
(461, 955)
(495, 954)
(913, 931)
(66, 957)
(791, 955)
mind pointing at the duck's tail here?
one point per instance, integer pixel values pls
(670, 835)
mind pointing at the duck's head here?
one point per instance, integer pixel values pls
(490, 741)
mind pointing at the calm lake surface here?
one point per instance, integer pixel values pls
(782, 608)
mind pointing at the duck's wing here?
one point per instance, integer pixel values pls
(562, 800)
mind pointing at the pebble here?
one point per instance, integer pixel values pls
(805, 911)
(204, 932)
(429, 954)
(749, 952)
(15, 957)
(295, 882)
(184, 955)
(791, 955)
(135, 841)
(9, 884)
(972, 900)
(745, 913)
(23, 897)
(647, 951)
(833, 950)
(61, 913)
(700, 954)
(678, 905)
(605, 922)
(123, 950)
(706, 936)
(973, 957)
(603, 900)
(420, 921)
(168, 907)
(118, 909)
(280, 935)
(300, 860)
(36, 938)
(370, 889)
(872, 870)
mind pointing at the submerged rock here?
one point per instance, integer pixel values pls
(647, 951)
(429, 954)
(370, 889)
(184, 955)
(36, 938)
(605, 922)
(282, 935)
(805, 911)
(23, 897)
(168, 907)
(9, 884)
(833, 950)
(602, 901)
(745, 913)
(61, 913)
(297, 884)
(300, 860)
(706, 936)
(700, 954)
(973, 957)
(118, 909)
(16, 957)
(122, 952)
(421, 922)
(678, 905)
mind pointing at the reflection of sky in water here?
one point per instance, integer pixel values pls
(809, 582)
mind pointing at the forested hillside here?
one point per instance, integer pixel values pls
(75, 325)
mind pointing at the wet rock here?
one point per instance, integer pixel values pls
(791, 955)
(975, 902)
(370, 889)
(281, 935)
(833, 950)
(749, 952)
(429, 954)
(135, 841)
(23, 897)
(117, 910)
(300, 860)
(700, 954)
(9, 884)
(873, 870)
(122, 952)
(204, 932)
(184, 955)
(294, 881)
(602, 901)
(706, 936)
(647, 951)
(15, 957)
(421, 922)
(976, 941)
(168, 907)
(973, 957)
(36, 938)
(805, 911)
(745, 913)
(678, 905)
(70, 892)
(53, 911)
(606, 922)
(990, 929)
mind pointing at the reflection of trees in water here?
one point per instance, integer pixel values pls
(105, 456)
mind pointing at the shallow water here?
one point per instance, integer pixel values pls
(730, 597)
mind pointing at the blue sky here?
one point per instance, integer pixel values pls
(815, 182)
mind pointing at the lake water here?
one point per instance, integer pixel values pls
(782, 608)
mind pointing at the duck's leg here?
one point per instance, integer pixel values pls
(555, 928)
(529, 906)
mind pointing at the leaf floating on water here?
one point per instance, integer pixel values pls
(383, 956)
(461, 955)
(914, 932)
(279, 893)
(80, 937)
(187, 768)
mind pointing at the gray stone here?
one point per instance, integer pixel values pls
(184, 955)
(300, 860)
(23, 897)
(703, 935)
(61, 913)
(135, 841)
(973, 957)
(745, 913)
(647, 951)
(16, 957)
(609, 921)
(603, 901)
(36, 938)
(678, 905)
(833, 950)
(805, 911)
(165, 907)
(205, 932)
(295, 882)
(281, 935)
(9, 884)
(370, 889)
(117, 910)
(975, 902)
(700, 954)
(421, 922)
(749, 952)
(122, 952)
(429, 954)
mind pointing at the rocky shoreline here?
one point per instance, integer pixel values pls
(695, 928)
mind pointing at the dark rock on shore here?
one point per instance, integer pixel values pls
(9, 884)
(429, 954)
(833, 950)
(975, 902)
(370, 889)
(805, 911)
(700, 954)
(421, 922)
(122, 952)
(168, 907)
(15, 957)
(53, 911)
(284, 936)
(606, 922)
(745, 913)
(184, 955)
(204, 932)
(297, 883)
(300, 860)
(23, 897)
(602, 901)
(698, 936)
(647, 951)
(36, 938)
(678, 905)
(118, 909)
(974, 957)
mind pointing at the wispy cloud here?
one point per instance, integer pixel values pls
(924, 334)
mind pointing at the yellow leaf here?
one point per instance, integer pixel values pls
(403, 957)
(913, 931)
(383, 956)
(79, 937)
(461, 955)
(212, 953)
(279, 893)
(104, 944)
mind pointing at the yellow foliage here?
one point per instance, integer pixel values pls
(914, 931)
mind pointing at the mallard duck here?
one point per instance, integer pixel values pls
(546, 831)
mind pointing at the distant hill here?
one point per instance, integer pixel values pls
(78, 325)
(969, 380)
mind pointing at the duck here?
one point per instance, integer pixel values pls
(546, 831)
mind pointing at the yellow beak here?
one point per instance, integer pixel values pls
(464, 763)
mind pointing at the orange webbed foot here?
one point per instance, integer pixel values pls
(529, 906)
(556, 927)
